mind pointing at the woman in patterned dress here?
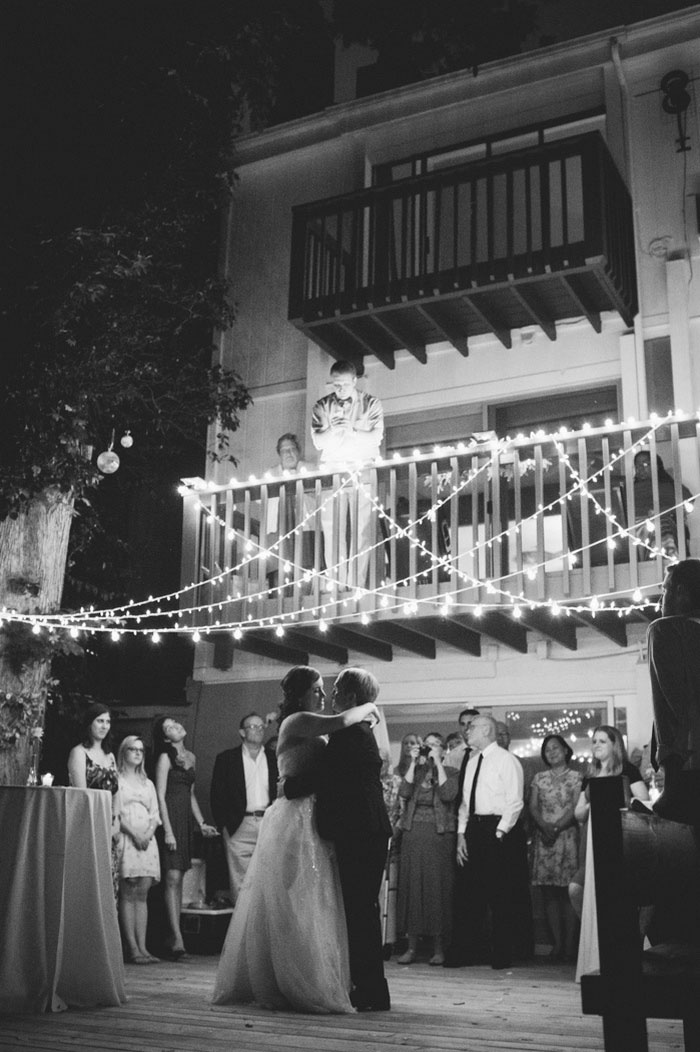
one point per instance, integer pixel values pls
(91, 765)
(139, 865)
(553, 797)
(179, 810)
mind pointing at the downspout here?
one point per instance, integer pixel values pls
(636, 226)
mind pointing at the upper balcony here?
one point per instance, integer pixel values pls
(530, 237)
(499, 539)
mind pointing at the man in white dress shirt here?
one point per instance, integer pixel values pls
(489, 846)
(243, 785)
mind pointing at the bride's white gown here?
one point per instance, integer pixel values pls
(287, 944)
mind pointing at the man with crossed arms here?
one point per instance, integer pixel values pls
(489, 849)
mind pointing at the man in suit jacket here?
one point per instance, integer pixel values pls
(350, 811)
(243, 785)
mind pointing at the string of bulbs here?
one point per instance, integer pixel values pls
(138, 617)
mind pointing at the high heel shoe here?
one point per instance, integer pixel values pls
(407, 958)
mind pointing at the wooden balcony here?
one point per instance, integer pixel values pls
(544, 535)
(530, 237)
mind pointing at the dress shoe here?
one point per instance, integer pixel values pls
(453, 962)
(365, 1004)
(500, 965)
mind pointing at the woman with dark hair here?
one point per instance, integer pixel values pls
(286, 946)
(91, 765)
(179, 810)
(428, 827)
(139, 866)
(553, 797)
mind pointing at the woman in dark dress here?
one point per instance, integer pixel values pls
(428, 843)
(179, 810)
(609, 759)
(91, 765)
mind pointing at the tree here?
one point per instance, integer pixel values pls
(125, 114)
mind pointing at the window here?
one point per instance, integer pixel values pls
(475, 150)
(659, 374)
(570, 410)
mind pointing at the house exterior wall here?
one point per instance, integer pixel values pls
(333, 153)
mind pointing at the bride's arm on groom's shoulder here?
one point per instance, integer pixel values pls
(313, 724)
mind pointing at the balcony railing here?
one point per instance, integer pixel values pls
(523, 529)
(529, 237)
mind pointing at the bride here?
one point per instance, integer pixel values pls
(287, 944)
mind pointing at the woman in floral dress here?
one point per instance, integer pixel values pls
(553, 797)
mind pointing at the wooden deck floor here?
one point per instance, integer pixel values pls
(532, 1009)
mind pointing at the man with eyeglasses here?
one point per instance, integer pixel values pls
(347, 426)
(243, 785)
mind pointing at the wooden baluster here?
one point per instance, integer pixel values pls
(539, 504)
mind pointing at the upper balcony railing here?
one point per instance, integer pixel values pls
(525, 528)
(529, 237)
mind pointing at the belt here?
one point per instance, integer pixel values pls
(485, 818)
(254, 814)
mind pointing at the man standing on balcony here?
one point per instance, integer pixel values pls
(674, 667)
(347, 426)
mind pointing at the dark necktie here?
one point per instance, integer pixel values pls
(472, 795)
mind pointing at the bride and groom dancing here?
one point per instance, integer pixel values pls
(306, 931)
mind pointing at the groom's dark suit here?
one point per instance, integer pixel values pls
(350, 811)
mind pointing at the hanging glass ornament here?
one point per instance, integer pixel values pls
(127, 440)
(108, 462)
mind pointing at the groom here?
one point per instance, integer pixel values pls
(350, 811)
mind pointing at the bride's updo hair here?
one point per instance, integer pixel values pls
(294, 685)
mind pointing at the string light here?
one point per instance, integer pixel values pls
(126, 617)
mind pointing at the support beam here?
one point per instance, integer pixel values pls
(528, 301)
(446, 630)
(317, 643)
(574, 287)
(609, 625)
(498, 330)
(345, 636)
(416, 349)
(499, 627)
(558, 629)
(271, 646)
(386, 357)
(400, 636)
(448, 331)
(356, 357)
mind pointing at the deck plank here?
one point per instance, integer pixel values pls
(535, 1008)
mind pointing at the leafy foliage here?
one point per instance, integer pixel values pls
(128, 113)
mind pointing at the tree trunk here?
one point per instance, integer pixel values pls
(33, 552)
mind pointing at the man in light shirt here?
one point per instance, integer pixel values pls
(489, 849)
(347, 427)
(243, 785)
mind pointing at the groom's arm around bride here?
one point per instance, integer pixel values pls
(350, 811)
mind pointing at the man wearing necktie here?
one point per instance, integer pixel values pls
(347, 426)
(489, 847)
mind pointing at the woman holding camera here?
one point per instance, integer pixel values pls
(428, 846)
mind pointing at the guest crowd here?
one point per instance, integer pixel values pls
(469, 838)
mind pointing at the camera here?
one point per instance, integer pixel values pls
(424, 750)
